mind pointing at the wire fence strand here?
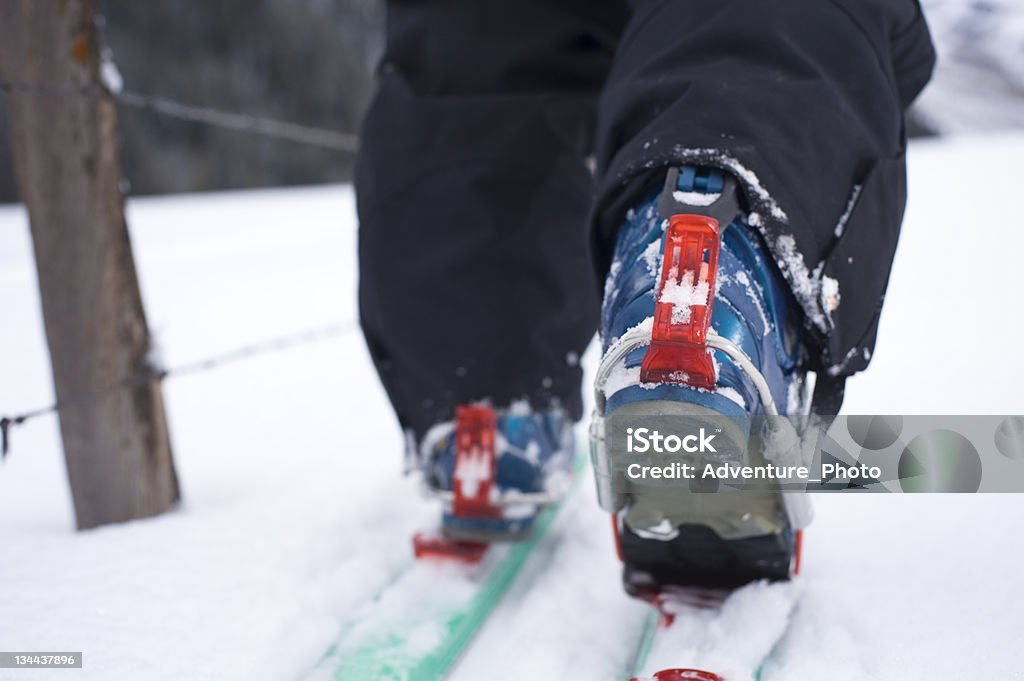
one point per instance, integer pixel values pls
(152, 373)
(321, 138)
(303, 134)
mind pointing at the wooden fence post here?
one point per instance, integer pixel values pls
(67, 164)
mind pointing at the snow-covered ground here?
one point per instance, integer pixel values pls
(295, 511)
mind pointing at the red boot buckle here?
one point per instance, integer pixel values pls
(473, 483)
(475, 463)
(682, 313)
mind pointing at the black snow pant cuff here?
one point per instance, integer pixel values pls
(803, 101)
(479, 267)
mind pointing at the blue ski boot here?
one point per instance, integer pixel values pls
(700, 334)
(494, 470)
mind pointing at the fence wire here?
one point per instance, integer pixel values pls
(153, 373)
(322, 138)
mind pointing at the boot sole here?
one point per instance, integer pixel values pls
(677, 534)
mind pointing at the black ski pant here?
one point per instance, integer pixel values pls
(486, 227)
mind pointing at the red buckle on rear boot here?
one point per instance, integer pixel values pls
(473, 483)
(476, 464)
(682, 313)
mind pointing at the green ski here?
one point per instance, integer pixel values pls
(713, 638)
(418, 627)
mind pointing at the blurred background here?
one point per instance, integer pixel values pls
(311, 62)
(304, 61)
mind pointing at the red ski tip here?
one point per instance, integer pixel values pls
(681, 675)
(436, 547)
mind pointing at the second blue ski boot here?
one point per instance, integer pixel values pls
(700, 333)
(494, 470)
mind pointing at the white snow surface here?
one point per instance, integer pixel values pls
(295, 512)
(684, 294)
(652, 257)
(620, 377)
(752, 293)
(728, 640)
(695, 198)
(109, 73)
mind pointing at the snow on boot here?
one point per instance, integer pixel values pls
(698, 327)
(494, 470)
